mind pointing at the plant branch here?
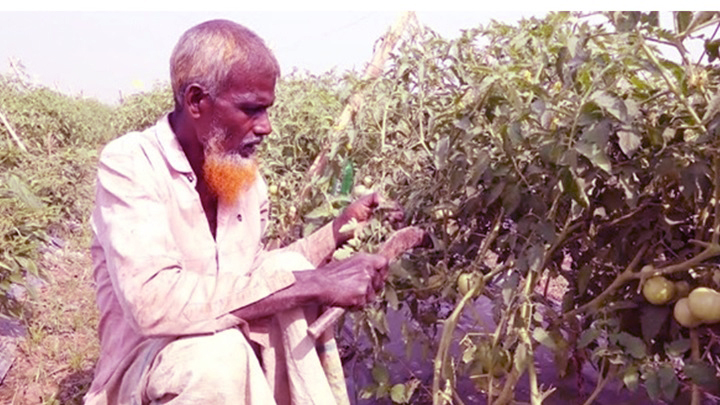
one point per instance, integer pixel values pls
(620, 280)
(447, 338)
(694, 27)
(704, 50)
(507, 391)
(656, 96)
(12, 133)
(670, 83)
(485, 246)
(711, 250)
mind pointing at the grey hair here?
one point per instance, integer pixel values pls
(207, 52)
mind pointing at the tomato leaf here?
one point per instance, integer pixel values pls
(702, 374)
(652, 318)
(634, 345)
(668, 382)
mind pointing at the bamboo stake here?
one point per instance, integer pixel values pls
(372, 71)
(13, 135)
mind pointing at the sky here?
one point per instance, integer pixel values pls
(105, 54)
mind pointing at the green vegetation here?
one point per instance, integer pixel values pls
(563, 150)
(48, 152)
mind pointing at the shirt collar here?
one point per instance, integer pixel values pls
(171, 147)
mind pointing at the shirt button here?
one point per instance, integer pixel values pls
(239, 217)
(190, 178)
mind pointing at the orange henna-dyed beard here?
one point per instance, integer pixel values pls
(228, 175)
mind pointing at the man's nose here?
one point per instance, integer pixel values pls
(262, 125)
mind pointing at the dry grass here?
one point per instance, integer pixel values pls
(55, 360)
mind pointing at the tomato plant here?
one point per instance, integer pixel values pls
(558, 148)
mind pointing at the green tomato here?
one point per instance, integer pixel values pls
(658, 290)
(704, 304)
(684, 316)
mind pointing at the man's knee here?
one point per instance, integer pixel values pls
(208, 363)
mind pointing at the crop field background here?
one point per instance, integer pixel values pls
(557, 168)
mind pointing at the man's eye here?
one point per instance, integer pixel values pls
(251, 108)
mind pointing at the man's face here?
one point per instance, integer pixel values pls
(239, 123)
(241, 111)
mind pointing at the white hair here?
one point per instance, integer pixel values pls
(207, 52)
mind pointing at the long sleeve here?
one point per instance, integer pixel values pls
(317, 246)
(164, 266)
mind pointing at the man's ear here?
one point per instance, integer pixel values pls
(195, 99)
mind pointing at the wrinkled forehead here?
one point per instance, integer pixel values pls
(252, 76)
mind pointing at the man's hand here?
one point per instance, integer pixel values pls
(353, 282)
(362, 210)
(349, 283)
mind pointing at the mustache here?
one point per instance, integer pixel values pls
(215, 144)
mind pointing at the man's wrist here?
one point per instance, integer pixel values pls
(310, 285)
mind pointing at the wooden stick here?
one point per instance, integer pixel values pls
(12, 133)
(399, 242)
(372, 71)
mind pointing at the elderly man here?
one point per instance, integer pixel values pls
(193, 311)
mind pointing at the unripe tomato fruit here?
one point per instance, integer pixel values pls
(467, 282)
(682, 289)
(704, 303)
(684, 316)
(658, 290)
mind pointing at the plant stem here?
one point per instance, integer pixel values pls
(485, 246)
(621, 279)
(535, 397)
(695, 356)
(602, 381)
(12, 133)
(446, 340)
(670, 83)
(384, 127)
(711, 250)
(716, 223)
(526, 313)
